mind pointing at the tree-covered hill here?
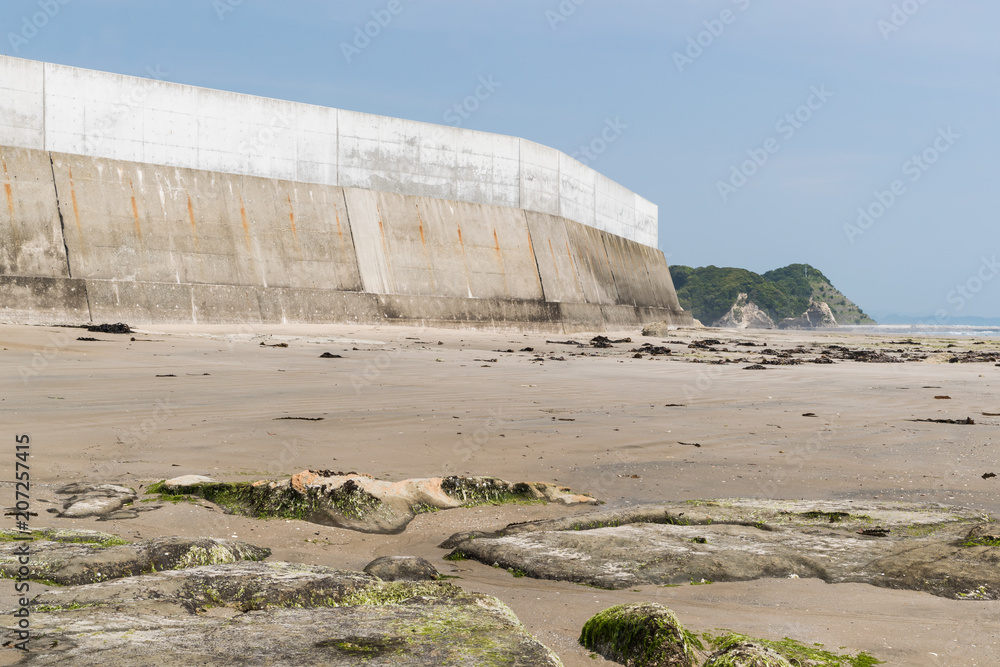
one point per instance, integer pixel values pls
(710, 291)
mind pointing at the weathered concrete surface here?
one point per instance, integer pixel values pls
(52, 107)
(593, 265)
(360, 502)
(579, 264)
(131, 222)
(303, 615)
(419, 246)
(554, 258)
(30, 234)
(43, 300)
(35, 280)
(893, 545)
(169, 245)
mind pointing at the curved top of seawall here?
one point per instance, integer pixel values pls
(51, 107)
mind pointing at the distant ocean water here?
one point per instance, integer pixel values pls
(926, 330)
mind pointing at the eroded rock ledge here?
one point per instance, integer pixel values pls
(361, 502)
(74, 557)
(232, 611)
(277, 613)
(950, 552)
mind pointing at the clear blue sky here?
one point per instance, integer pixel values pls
(890, 88)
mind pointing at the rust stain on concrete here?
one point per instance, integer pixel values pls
(465, 262)
(291, 218)
(135, 210)
(15, 237)
(423, 244)
(10, 193)
(385, 246)
(246, 225)
(554, 262)
(572, 264)
(76, 208)
(194, 225)
(503, 271)
(538, 275)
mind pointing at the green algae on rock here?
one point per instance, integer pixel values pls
(298, 614)
(640, 635)
(736, 650)
(63, 535)
(747, 654)
(96, 557)
(650, 635)
(360, 502)
(908, 546)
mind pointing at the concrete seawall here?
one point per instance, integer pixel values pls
(50, 107)
(96, 239)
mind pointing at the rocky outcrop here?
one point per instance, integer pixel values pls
(104, 501)
(745, 314)
(71, 558)
(817, 316)
(277, 614)
(402, 568)
(893, 545)
(361, 502)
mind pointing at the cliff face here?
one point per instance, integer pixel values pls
(721, 296)
(745, 314)
(818, 316)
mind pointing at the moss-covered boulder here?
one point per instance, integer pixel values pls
(640, 635)
(361, 502)
(747, 654)
(73, 558)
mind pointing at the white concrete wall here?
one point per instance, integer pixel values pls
(70, 110)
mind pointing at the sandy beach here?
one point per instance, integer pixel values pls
(405, 402)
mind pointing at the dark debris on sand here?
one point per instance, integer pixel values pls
(119, 328)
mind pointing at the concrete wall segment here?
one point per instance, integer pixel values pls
(99, 114)
(30, 227)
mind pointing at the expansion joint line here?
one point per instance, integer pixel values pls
(62, 222)
(534, 256)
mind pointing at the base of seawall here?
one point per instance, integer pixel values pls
(79, 301)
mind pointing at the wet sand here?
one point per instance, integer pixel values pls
(400, 405)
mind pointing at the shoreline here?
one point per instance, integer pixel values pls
(399, 405)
